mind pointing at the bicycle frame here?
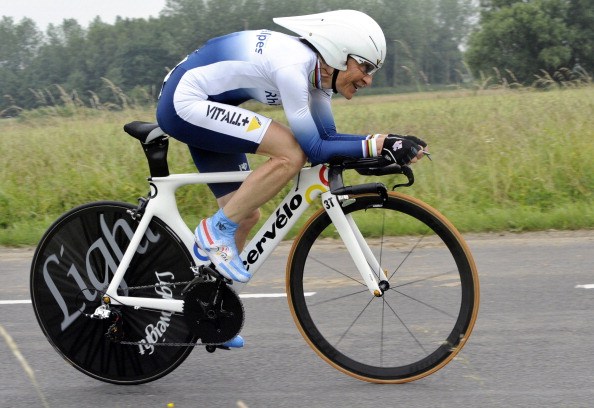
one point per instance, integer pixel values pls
(309, 184)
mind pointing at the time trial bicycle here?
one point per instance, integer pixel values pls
(123, 293)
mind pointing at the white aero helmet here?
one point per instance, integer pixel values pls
(340, 34)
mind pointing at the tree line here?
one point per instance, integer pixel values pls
(109, 65)
(534, 37)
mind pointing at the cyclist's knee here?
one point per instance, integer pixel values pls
(294, 159)
(301, 158)
(288, 165)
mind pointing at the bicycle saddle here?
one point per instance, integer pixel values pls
(146, 132)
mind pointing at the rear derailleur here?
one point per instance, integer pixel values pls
(115, 332)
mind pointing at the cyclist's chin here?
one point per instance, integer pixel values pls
(348, 93)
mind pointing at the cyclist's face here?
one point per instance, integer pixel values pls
(356, 76)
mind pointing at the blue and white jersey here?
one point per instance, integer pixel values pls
(272, 68)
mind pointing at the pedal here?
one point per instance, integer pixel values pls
(198, 279)
(213, 273)
(211, 348)
(205, 274)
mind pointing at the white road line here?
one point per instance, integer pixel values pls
(589, 286)
(244, 296)
(269, 295)
(14, 302)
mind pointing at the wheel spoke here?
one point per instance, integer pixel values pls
(424, 303)
(408, 254)
(382, 333)
(381, 250)
(337, 298)
(405, 327)
(425, 279)
(313, 258)
(354, 321)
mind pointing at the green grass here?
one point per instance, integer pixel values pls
(503, 160)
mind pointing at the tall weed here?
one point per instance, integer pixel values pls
(503, 159)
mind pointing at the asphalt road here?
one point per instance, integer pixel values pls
(532, 346)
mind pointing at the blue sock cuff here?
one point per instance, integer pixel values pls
(222, 218)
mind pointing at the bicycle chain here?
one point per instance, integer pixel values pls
(137, 343)
(159, 285)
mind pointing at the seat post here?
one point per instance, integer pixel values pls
(156, 154)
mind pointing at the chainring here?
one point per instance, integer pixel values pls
(213, 312)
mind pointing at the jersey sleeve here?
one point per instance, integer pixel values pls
(321, 110)
(310, 118)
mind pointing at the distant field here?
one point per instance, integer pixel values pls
(503, 160)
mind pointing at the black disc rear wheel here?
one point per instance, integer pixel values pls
(71, 269)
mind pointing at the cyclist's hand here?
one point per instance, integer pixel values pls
(415, 139)
(403, 149)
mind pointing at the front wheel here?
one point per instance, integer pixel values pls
(420, 323)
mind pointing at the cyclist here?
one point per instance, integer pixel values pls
(336, 52)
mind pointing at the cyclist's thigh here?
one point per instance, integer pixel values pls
(279, 141)
(208, 161)
(213, 126)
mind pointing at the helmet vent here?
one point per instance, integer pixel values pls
(374, 44)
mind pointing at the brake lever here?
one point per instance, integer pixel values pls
(407, 171)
